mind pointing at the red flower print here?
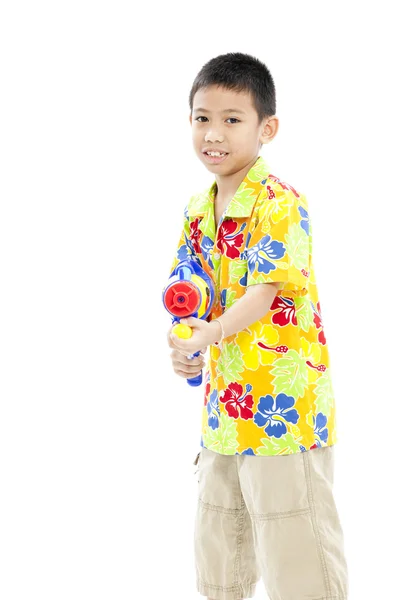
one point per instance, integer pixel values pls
(284, 186)
(207, 391)
(195, 235)
(235, 402)
(227, 239)
(318, 325)
(317, 320)
(271, 193)
(287, 311)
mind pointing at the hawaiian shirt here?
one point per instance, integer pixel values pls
(268, 388)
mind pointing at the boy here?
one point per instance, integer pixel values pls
(266, 507)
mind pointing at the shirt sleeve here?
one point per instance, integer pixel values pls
(278, 246)
(184, 247)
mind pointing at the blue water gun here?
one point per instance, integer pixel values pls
(189, 293)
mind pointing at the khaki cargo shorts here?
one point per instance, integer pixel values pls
(272, 517)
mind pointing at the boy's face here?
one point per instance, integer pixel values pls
(236, 132)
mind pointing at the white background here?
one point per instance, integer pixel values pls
(97, 434)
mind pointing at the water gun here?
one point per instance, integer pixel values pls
(189, 293)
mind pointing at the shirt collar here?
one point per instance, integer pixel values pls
(244, 199)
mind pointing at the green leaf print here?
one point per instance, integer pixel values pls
(217, 269)
(237, 268)
(242, 201)
(199, 202)
(290, 375)
(230, 298)
(297, 246)
(230, 363)
(224, 438)
(324, 393)
(207, 225)
(304, 313)
(287, 444)
(261, 279)
(258, 171)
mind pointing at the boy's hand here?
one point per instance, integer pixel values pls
(183, 366)
(204, 334)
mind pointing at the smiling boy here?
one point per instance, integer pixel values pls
(266, 506)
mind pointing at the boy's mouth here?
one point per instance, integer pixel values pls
(214, 157)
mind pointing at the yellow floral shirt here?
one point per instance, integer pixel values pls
(268, 388)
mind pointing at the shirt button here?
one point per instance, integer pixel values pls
(217, 255)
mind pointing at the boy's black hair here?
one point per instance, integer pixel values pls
(239, 72)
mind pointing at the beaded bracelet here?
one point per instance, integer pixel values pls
(222, 333)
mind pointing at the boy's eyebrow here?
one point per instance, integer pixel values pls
(235, 110)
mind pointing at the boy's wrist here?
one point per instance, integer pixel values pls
(216, 331)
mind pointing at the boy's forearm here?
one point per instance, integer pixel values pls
(250, 308)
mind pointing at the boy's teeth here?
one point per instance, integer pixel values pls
(216, 153)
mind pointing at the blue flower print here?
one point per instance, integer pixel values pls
(243, 280)
(223, 298)
(182, 253)
(273, 414)
(186, 252)
(258, 255)
(320, 429)
(304, 223)
(207, 246)
(249, 452)
(213, 410)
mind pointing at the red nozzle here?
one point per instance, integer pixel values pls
(182, 298)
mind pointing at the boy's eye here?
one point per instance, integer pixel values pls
(229, 119)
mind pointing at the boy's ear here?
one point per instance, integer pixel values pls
(270, 130)
(190, 118)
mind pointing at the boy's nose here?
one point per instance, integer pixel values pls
(211, 138)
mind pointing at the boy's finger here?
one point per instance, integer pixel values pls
(187, 375)
(170, 344)
(177, 342)
(172, 338)
(184, 360)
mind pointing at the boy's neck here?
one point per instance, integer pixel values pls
(227, 185)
